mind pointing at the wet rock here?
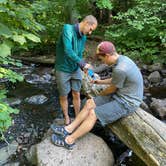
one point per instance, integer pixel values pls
(34, 78)
(13, 164)
(30, 155)
(158, 91)
(19, 139)
(7, 151)
(12, 101)
(37, 99)
(144, 106)
(163, 83)
(144, 67)
(163, 72)
(155, 67)
(159, 107)
(146, 82)
(89, 150)
(154, 77)
(101, 68)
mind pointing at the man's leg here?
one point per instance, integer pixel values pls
(76, 101)
(78, 120)
(64, 106)
(85, 127)
(63, 85)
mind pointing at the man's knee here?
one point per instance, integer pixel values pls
(63, 97)
(92, 114)
(75, 94)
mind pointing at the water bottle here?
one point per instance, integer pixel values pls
(91, 74)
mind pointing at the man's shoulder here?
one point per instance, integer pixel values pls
(125, 63)
(68, 26)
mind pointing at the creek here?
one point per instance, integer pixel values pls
(37, 100)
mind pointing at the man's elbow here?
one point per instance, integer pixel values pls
(68, 51)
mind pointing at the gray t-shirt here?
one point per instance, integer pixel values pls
(127, 77)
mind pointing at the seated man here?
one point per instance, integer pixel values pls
(122, 97)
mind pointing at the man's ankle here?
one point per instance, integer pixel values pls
(67, 120)
(68, 129)
(69, 140)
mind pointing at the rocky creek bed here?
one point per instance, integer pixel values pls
(37, 100)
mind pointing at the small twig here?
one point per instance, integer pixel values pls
(3, 137)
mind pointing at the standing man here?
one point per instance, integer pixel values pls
(69, 50)
(121, 98)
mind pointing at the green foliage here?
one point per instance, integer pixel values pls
(5, 112)
(54, 14)
(51, 15)
(5, 109)
(17, 28)
(140, 31)
(17, 25)
(10, 75)
(104, 4)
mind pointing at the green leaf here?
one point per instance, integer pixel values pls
(11, 110)
(3, 1)
(32, 37)
(3, 115)
(5, 31)
(19, 38)
(8, 123)
(5, 50)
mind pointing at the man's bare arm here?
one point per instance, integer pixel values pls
(106, 81)
(111, 89)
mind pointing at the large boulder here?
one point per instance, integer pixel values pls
(89, 150)
(158, 107)
(154, 77)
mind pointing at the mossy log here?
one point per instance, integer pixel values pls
(145, 135)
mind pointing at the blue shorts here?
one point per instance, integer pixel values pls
(108, 110)
(68, 81)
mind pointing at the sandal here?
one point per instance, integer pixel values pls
(60, 141)
(59, 130)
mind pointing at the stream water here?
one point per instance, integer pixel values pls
(37, 114)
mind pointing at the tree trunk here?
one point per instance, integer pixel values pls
(145, 135)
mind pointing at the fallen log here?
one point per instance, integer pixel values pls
(39, 59)
(145, 135)
(140, 131)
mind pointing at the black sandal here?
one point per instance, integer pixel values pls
(60, 141)
(59, 130)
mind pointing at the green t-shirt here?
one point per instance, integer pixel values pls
(69, 49)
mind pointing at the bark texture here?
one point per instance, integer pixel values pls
(145, 135)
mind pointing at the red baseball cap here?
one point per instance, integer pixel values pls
(105, 47)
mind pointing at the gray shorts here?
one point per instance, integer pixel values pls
(109, 110)
(68, 81)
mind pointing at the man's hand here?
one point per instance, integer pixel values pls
(88, 66)
(95, 81)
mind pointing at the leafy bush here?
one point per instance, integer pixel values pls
(5, 111)
(140, 31)
(17, 28)
(17, 25)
